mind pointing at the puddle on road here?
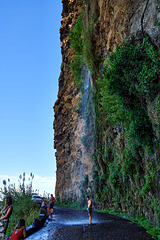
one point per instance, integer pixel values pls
(53, 225)
(83, 222)
(77, 222)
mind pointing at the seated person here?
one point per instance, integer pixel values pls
(19, 232)
(43, 205)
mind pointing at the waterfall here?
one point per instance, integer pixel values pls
(87, 110)
(86, 92)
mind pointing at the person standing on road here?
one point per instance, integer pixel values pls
(89, 209)
(51, 204)
(5, 215)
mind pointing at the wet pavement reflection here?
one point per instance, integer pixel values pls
(69, 224)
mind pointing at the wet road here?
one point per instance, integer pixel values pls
(69, 224)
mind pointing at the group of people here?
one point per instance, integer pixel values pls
(20, 230)
(50, 208)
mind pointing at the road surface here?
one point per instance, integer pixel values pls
(70, 224)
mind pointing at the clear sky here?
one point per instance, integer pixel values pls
(30, 60)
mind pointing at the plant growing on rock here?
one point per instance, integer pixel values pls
(129, 84)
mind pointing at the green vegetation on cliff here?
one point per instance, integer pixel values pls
(126, 158)
(82, 41)
(127, 133)
(82, 64)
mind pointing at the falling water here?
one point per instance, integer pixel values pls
(87, 110)
(86, 91)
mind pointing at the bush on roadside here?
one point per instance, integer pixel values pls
(23, 206)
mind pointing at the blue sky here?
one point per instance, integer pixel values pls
(30, 60)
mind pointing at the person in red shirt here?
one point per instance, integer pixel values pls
(19, 232)
(51, 204)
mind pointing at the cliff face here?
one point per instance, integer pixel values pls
(73, 160)
(119, 19)
(116, 21)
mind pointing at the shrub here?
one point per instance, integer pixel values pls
(23, 206)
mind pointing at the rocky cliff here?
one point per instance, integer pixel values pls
(119, 19)
(73, 159)
(109, 23)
